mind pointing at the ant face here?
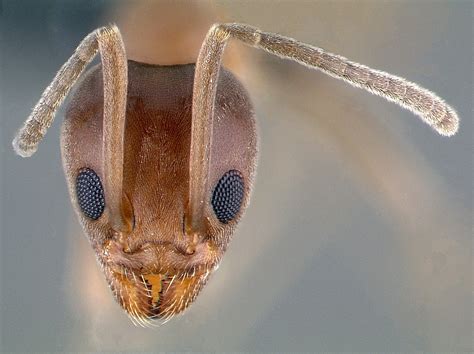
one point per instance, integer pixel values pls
(154, 269)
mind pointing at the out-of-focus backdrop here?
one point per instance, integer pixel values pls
(358, 237)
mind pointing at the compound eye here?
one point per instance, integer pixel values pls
(228, 195)
(90, 193)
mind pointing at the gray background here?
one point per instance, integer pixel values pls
(358, 236)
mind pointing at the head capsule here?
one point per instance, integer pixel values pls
(154, 268)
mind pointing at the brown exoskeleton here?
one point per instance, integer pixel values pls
(160, 160)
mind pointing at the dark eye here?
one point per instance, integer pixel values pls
(90, 193)
(227, 196)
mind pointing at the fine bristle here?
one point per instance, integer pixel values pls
(449, 125)
(21, 149)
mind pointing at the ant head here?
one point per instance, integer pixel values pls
(154, 265)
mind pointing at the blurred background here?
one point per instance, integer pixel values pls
(359, 233)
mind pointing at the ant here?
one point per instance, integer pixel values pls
(160, 160)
